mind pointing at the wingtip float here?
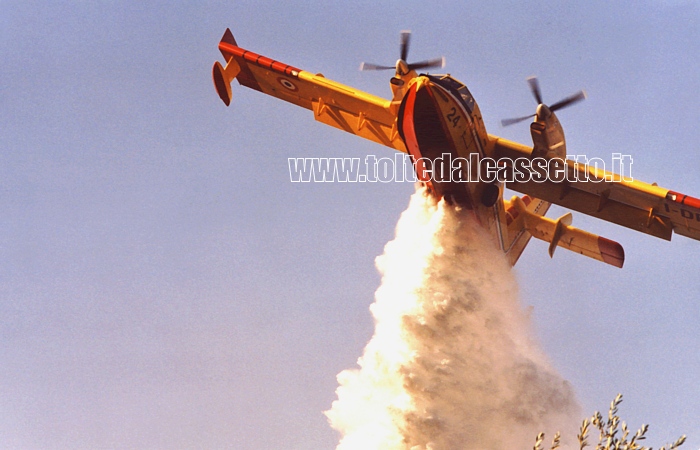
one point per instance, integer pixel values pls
(431, 117)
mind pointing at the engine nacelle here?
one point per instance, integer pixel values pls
(547, 135)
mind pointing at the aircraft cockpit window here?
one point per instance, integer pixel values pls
(458, 89)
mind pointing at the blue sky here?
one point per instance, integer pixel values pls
(164, 285)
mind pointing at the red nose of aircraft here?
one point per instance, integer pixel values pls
(427, 137)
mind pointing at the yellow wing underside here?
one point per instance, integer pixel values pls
(633, 204)
(332, 103)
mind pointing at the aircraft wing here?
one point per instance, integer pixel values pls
(332, 103)
(643, 207)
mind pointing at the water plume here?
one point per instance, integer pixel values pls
(452, 363)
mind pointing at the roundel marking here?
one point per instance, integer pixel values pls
(287, 84)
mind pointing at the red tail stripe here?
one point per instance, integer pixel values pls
(611, 252)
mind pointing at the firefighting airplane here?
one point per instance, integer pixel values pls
(430, 116)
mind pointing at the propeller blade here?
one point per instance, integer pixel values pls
(577, 97)
(368, 66)
(405, 41)
(507, 122)
(535, 88)
(437, 62)
(401, 64)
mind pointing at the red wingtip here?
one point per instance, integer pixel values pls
(612, 252)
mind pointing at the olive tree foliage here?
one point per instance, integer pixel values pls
(613, 434)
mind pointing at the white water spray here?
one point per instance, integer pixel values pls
(452, 363)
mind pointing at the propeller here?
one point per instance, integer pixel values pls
(402, 67)
(542, 109)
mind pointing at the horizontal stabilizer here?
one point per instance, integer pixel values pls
(560, 233)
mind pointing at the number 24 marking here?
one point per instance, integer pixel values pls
(453, 117)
